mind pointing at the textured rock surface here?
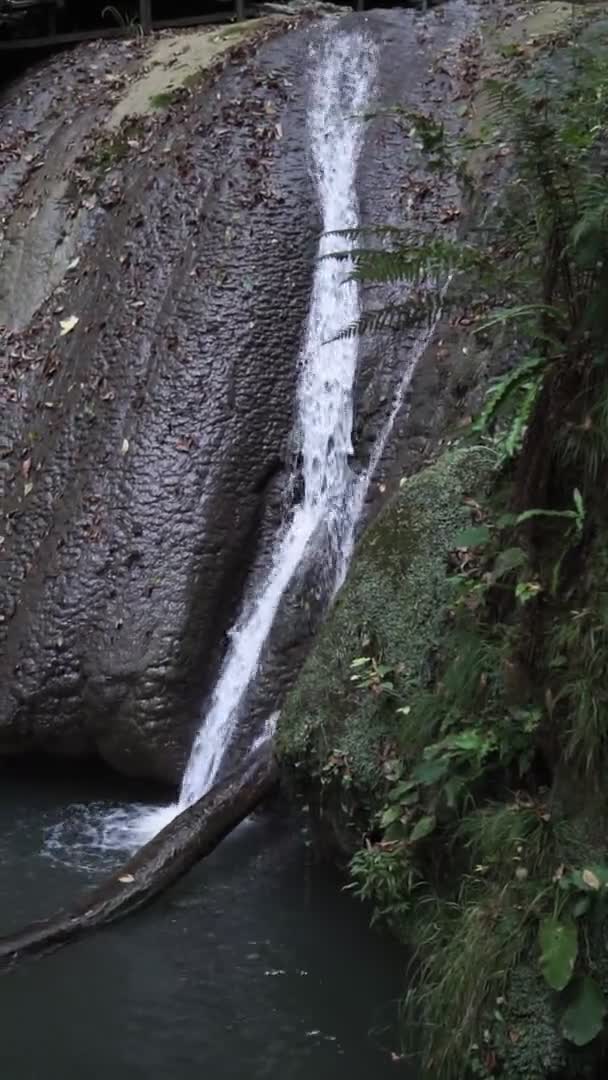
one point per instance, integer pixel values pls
(155, 433)
(145, 454)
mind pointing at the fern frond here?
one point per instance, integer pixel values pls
(412, 263)
(505, 388)
(514, 438)
(593, 208)
(523, 311)
(432, 260)
(397, 264)
(415, 311)
(507, 102)
(370, 230)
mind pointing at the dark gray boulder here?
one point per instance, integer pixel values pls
(152, 440)
(146, 454)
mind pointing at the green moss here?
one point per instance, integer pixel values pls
(393, 606)
(113, 147)
(165, 98)
(528, 1037)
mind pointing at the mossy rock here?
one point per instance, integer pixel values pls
(392, 607)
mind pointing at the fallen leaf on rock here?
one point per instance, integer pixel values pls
(67, 325)
(591, 880)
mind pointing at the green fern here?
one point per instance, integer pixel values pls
(360, 231)
(432, 261)
(424, 268)
(545, 266)
(514, 438)
(503, 391)
(420, 309)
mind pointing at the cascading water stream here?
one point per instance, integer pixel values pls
(341, 87)
(333, 496)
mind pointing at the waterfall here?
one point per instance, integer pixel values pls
(340, 90)
(323, 525)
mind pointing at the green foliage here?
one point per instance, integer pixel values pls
(113, 146)
(422, 307)
(165, 98)
(477, 684)
(474, 536)
(372, 675)
(124, 19)
(583, 1019)
(577, 515)
(551, 273)
(423, 828)
(523, 1033)
(578, 659)
(559, 948)
(515, 396)
(465, 953)
(383, 875)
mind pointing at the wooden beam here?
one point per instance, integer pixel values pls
(145, 15)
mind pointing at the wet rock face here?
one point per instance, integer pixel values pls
(146, 453)
(395, 186)
(149, 457)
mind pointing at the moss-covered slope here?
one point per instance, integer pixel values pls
(392, 608)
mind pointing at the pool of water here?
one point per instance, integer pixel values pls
(256, 966)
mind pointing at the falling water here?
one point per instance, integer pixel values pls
(341, 87)
(340, 90)
(333, 497)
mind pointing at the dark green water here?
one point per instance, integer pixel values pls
(256, 966)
